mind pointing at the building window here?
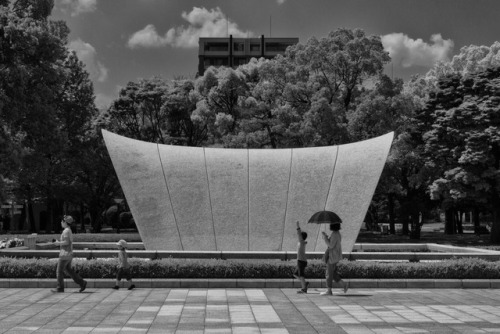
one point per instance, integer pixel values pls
(240, 61)
(277, 47)
(254, 47)
(216, 46)
(219, 61)
(239, 46)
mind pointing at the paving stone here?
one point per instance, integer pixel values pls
(194, 283)
(475, 284)
(222, 283)
(250, 310)
(419, 284)
(391, 283)
(448, 283)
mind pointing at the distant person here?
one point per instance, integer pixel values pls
(123, 266)
(334, 244)
(299, 272)
(66, 256)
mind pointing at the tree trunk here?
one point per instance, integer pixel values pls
(415, 226)
(458, 219)
(475, 219)
(31, 217)
(405, 222)
(495, 227)
(392, 220)
(449, 223)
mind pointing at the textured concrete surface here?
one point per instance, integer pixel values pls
(278, 310)
(311, 175)
(139, 169)
(269, 177)
(355, 177)
(228, 182)
(191, 198)
(186, 177)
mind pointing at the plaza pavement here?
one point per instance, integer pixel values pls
(249, 310)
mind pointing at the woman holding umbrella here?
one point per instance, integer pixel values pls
(334, 243)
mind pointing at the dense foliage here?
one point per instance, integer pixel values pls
(211, 268)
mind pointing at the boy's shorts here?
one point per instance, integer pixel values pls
(300, 269)
(123, 273)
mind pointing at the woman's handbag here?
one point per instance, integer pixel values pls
(326, 255)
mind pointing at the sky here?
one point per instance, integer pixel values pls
(120, 41)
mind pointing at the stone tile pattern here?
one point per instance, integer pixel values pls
(193, 198)
(250, 311)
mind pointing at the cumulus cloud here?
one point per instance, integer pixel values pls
(88, 55)
(415, 52)
(77, 7)
(201, 23)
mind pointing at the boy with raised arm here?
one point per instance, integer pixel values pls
(299, 272)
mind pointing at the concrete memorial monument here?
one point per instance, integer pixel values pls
(196, 199)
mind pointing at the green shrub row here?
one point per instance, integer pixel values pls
(212, 268)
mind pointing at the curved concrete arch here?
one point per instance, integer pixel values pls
(193, 198)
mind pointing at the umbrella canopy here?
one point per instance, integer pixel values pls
(325, 217)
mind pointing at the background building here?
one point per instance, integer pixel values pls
(229, 51)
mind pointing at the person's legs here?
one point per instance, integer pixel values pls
(129, 279)
(60, 274)
(119, 274)
(338, 279)
(329, 278)
(74, 275)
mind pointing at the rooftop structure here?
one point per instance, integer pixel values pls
(233, 52)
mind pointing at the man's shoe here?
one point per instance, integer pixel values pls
(131, 287)
(326, 293)
(302, 291)
(83, 286)
(57, 290)
(116, 287)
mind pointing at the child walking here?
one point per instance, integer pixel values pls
(123, 267)
(299, 272)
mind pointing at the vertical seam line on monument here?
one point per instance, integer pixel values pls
(169, 197)
(248, 199)
(330, 187)
(210, 197)
(287, 194)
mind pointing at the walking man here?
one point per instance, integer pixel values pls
(66, 256)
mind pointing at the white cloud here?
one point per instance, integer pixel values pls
(202, 23)
(77, 7)
(88, 55)
(415, 52)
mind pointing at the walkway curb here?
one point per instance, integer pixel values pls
(187, 283)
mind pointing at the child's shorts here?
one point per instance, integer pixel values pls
(123, 273)
(301, 267)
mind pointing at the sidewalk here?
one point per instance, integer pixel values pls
(245, 283)
(249, 311)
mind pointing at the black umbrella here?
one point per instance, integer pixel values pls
(325, 217)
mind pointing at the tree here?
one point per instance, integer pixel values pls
(403, 183)
(465, 142)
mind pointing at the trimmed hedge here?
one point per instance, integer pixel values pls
(212, 268)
